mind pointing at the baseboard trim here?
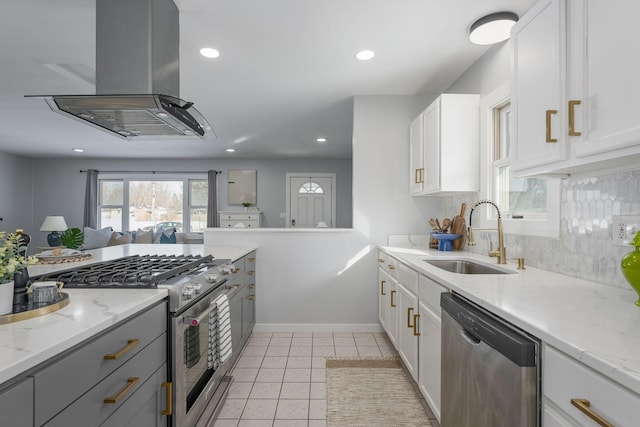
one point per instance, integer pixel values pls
(315, 327)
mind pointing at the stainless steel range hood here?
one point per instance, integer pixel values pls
(137, 75)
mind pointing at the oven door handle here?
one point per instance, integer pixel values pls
(196, 320)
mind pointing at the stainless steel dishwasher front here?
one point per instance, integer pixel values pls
(490, 369)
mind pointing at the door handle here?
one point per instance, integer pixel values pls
(382, 282)
(572, 118)
(409, 311)
(549, 114)
(415, 325)
(393, 304)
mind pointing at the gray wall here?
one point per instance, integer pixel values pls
(16, 193)
(59, 186)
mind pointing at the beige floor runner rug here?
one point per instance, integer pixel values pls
(371, 392)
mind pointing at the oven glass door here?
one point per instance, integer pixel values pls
(197, 360)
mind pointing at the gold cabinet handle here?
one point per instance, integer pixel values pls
(251, 260)
(251, 297)
(382, 282)
(237, 270)
(572, 118)
(131, 383)
(422, 175)
(251, 286)
(549, 114)
(393, 293)
(585, 407)
(380, 260)
(251, 273)
(391, 267)
(169, 388)
(416, 176)
(409, 311)
(130, 345)
(415, 325)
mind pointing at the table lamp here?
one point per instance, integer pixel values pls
(54, 224)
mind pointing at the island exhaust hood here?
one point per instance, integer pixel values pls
(137, 75)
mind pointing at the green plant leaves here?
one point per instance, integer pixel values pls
(72, 238)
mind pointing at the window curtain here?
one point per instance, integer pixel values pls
(91, 200)
(212, 202)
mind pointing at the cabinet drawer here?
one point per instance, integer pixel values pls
(408, 278)
(64, 381)
(388, 264)
(234, 223)
(240, 217)
(91, 405)
(250, 268)
(16, 405)
(565, 378)
(430, 291)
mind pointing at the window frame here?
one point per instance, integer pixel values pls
(126, 178)
(544, 225)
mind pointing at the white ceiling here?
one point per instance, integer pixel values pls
(286, 74)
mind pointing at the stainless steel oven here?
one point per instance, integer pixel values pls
(202, 358)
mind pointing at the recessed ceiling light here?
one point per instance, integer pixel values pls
(321, 140)
(365, 55)
(230, 150)
(492, 28)
(77, 150)
(208, 52)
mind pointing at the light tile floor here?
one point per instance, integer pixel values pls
(279, 379)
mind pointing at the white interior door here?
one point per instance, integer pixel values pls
(311, 200)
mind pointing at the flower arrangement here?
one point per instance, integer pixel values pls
(11, 260)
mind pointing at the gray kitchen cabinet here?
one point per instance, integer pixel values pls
(98, 379)
(249, 295)
(16, 404)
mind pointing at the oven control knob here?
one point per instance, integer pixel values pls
(187, 292)
(212, 278)
(197, 288)
(192, 321)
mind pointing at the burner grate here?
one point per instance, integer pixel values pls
(135, 271)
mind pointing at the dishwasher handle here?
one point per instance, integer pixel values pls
(470, 338)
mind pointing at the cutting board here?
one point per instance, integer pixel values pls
(458, 226)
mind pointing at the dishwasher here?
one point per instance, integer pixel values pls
(490, 369)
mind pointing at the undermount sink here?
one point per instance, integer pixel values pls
(465, 266)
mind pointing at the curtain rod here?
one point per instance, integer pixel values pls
(155, 172)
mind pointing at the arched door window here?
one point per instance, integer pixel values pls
(310, 187)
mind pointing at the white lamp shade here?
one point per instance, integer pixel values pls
(492, 28)
(54, 223)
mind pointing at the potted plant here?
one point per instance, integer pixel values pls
(72, 238)
(246, 205)
(11, 262)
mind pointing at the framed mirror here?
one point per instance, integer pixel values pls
(242, 186)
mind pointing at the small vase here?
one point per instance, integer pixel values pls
(630, 266)
(6, 298)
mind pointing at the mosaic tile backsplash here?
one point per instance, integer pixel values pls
(585, 248)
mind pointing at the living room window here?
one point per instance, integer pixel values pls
(530, 205)
(131, 203)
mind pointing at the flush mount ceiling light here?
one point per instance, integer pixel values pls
(492, 28)
(208, 52)
(365, 55)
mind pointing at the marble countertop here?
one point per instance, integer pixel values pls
(592, 322)
(26, 344)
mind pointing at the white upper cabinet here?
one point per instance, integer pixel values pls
(575, 95)
(537, 94)
(444, 146)
(605, 66)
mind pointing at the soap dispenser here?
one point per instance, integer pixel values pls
(630, 266)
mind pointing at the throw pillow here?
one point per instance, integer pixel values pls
(119, 239)
(144, 236)
(170, 238)
(166, 231)
(94, 239)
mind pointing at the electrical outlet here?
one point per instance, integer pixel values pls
(624, 229)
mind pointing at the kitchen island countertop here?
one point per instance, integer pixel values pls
(592, 322)
(28, 343)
